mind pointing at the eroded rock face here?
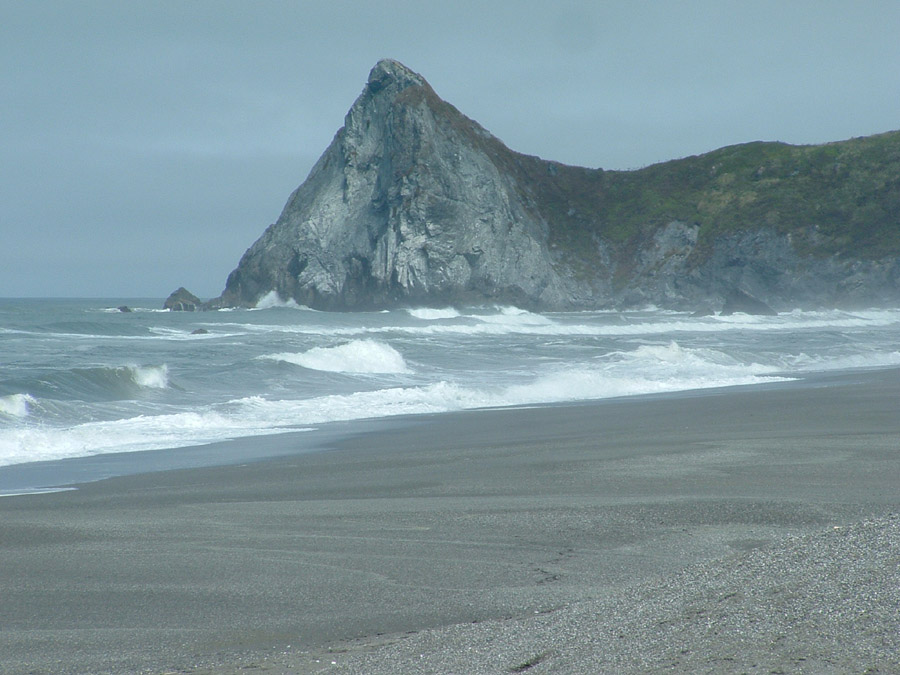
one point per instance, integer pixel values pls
(405, 206)
(415, 204)
(183, 300)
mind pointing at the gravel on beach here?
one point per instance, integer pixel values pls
(822, 603)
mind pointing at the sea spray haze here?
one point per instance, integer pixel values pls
(79, 378)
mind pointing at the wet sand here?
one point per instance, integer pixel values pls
(691, 533)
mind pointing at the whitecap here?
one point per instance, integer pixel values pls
(356, 356)
(515, 316)
(134, 434)
(433, 398)
(433, 314)
(807, 362)
(152, 377)
(647, 369)
(16, 405)
(271, 300)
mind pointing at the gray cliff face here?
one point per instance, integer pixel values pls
(762, 264)
(415, 204)
(403, 207)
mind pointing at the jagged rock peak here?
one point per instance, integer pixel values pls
(397, 93)
(389, 72)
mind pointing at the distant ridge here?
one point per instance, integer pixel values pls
(415, 204)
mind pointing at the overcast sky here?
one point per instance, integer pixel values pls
(146, 145)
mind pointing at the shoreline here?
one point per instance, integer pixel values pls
(47, 476)
(481, 530)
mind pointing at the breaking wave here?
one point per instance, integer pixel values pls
(649, 369)
(807, 362)
(101, 383)
(514, 316)
(143, 432)
(429, 314)
(357, 356)
(646, 370)
(16, 405)
(81, 381)
(152, 377)
(272, 299)
(515, 321)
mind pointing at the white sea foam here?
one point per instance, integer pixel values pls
(514, 317)
(673, 355)
(437, 397)
(16, 405)
(357, 356)
(689, 371)
(152, 377)
(515, 321)
(272, 299)
(143, 432)
(430, 314)
(647, 369)
(466, 358)
(810, 363)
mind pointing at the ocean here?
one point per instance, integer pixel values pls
(80, 378)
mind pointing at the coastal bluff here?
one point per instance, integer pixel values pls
(413, 203)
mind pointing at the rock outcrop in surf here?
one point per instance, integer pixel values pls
(182, 300)
(415, 204)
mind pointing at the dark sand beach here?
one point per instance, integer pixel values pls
(740, 530)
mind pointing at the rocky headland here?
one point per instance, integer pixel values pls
(415, 204)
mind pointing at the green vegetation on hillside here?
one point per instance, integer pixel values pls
(849, 191)
(839, 198)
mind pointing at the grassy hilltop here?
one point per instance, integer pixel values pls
(839, 198)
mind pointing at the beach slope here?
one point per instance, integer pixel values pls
(718, 531)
